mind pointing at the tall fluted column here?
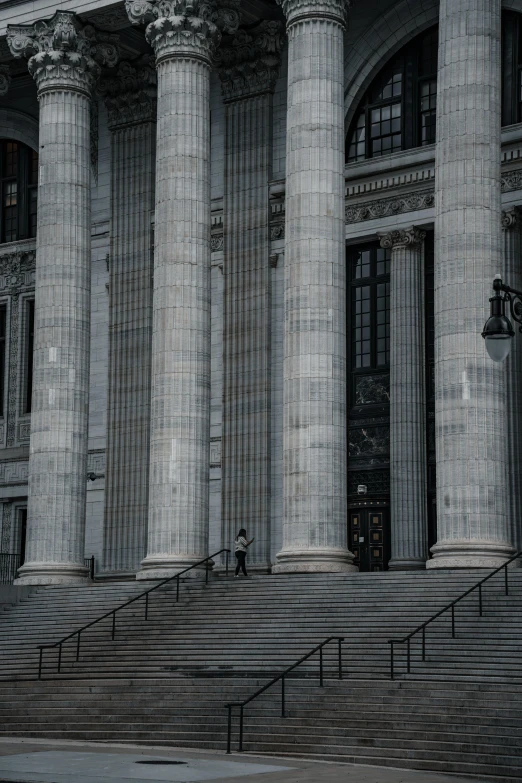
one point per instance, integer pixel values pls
(472, 521)
(248, 70)
(512, 274)
(64, 60)
(408, 460)
(130, 97)
(183, 35)
(314, 414)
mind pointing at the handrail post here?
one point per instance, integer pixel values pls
(283, 711)
(113, 625)
(92, 568)
(480, 600)
(40, 664)
(59, 657)
(241, 728)
(423, 643)
(146, 606)
(78, 647)
(391, 659)
(339, 642)
(408, 656)
(453, 620)
(321, 667)
(226, 563)
(506, 579)
(177, 589)
(206, 572)
(229, 735)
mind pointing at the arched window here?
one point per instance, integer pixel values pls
(19, 191)
(398, 111)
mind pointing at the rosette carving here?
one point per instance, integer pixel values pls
(5, 80)
(62, 52)
(297, 10)
(402, 238)
(250, 65)
(130, 95)
(181, 27)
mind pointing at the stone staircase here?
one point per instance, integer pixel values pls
(165, 680)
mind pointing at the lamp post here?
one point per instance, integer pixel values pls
(498, 331)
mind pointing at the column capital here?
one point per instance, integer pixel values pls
(181, 28)
(130, 94)
(5, 80)
(404, 237)
(297, 10)
(63, 52)
(250, 65)
(512, 218)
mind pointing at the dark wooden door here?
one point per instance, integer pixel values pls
(369, 538)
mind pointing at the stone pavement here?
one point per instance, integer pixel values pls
(47, 761)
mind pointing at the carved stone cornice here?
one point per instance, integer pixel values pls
(62, 52)
(181, 28)
(395, 205)
(401, 238)
(299, 10)
(5, 80)
(250, 65)
(512, 218)
(130, 94)
(17, 267)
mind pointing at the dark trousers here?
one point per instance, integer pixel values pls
(241, 557)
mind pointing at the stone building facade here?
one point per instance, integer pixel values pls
(246, 252)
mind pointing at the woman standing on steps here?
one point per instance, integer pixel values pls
(241, 550)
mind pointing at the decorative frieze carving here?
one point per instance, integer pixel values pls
(62, 52)
(216, 242)
(96, 462)
(395, 205)
(511, 180)
(215, 452)
(17, 270)
(130, 94)
(5, 544)
(250, 65)
(14, 472)
(12, 397)
(5, 80)
(191, 26)
(393, 240)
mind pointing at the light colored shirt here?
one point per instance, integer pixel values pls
(241, 544)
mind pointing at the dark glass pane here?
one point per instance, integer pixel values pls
(33, 168)
(10, 159)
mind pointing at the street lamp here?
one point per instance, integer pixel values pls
(498, 331)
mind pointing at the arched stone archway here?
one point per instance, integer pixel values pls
(19, 126)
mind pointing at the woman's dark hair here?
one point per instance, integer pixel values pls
(242, 532)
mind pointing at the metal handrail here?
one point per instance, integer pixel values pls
(112, 612)
(450, 606)
(242, 704)
(89, 562)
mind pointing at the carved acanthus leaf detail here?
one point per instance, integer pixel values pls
(5, 80)
(130, 95)
(408, 237)
(396, 205)
(63, 52)
(250, 65)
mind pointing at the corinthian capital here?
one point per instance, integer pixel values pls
(298, 10)
(130, 94)
(184, 27)
(250, 65)
(62, 52)
(5, 80)
(408, 237)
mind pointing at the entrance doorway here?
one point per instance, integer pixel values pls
(369, 537)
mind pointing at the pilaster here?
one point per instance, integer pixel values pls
(184, 36)
(408, 458)
(512, 274)
(64, 58)
(248, 69)
(130, 97)
(314, 412)
(472, 518)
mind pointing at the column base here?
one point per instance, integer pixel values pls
(469, 554)
(309, 561)
(407, 564)
(164, 567)
(52, 574)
